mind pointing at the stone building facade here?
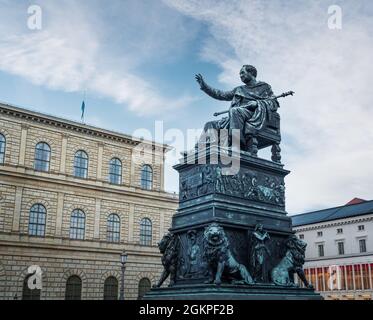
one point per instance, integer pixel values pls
(339, 255)
(72, 198)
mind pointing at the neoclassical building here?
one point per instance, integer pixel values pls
(339, 255)
(72, 198)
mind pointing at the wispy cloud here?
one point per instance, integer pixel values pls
(326, 127)
(94, 47)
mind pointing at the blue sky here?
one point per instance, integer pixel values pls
(137, 60)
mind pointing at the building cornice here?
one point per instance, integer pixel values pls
(40, 118)
(335, 223)
(341, 257)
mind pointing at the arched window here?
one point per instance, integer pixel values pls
(146, 232)
(115, 171)
(42, 156)
(144, 287)
(81, 164)
(113, 228)
(73, 288)
(27, 293)
(77, 224)
(146, 177)
(111, 288)
(2, 148)
(37, 220)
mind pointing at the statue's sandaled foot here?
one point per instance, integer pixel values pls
(217, 282)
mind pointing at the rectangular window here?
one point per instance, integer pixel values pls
(341, 248)
(319, 233)
(301, 236)
(362, 245)
(361, 227)
(321, 250)
(339, 230)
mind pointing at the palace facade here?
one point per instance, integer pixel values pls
(72, 198)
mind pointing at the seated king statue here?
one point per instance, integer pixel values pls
(252, 105)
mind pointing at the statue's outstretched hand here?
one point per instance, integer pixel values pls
(200, 80)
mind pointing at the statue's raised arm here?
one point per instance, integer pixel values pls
(214, 93)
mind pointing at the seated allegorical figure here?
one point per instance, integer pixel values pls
(252, 104)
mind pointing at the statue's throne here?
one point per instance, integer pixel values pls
(269, 135)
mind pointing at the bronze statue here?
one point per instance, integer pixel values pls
(253, 105)
(283, 273)
(247, 111)
(260, 253)
(168, 246)
(194, 254)
(220, 259)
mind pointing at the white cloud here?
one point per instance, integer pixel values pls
(82, 47)
(326, 126)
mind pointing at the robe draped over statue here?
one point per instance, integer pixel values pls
(240, 116)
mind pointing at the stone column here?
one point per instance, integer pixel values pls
(63, 153)
(17, 209)
(96, 233)
(22, 148)
(99, 160)
(316, 279)
(361, 277)
(59, 216)
(131, 217)
(345, 276)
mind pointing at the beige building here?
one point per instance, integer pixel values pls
(72, 197)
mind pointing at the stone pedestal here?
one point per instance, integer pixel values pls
(237, 191)
(231, 292)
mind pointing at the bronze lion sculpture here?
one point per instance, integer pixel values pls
(291, 263)
(168, 246)
(220, 260)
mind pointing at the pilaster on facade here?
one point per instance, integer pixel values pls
(131, 217)
(162, 173)
(99, 160)
(96, 232)
(17, 209)
(59, 215)
(161, 224)
(22, 149)
(65, 138)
